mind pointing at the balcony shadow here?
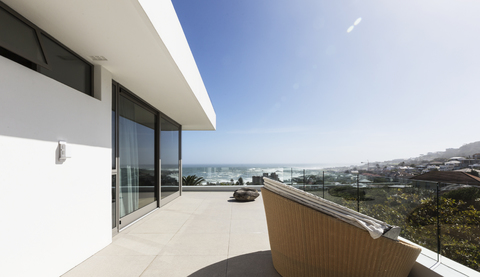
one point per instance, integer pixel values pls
(252, 264)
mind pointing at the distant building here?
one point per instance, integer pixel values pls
(272, 176)
(258, 180)
(428, 180)
(450, 165)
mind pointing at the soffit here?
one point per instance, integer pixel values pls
(152, 60)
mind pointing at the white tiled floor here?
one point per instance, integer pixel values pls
(198, 234)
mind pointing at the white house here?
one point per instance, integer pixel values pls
(94, 96)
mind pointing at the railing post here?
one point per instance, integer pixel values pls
(291, 176)
(438, 222)
(323, 183)
(358, 194)
(304, 180)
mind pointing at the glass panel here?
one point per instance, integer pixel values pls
(341, 188)
(405, 203)
(137, 156)
(169, 155)
(20, 38)
(460, 224)
(314, 181)
(114, 202)
(114, 127)
(66, 67)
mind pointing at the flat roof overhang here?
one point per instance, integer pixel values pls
(145, 48)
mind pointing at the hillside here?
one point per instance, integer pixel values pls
(464, 151)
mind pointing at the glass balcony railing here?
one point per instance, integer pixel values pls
(442, 217)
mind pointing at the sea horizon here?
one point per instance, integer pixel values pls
(270, 165)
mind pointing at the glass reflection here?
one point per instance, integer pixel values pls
(137, 156)
(114, 206)
(114, 127)
(19, 37)
(169, 155)
(65, 67)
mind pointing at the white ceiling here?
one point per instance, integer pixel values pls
(143, 43)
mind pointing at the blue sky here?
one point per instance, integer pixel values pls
(290, 85)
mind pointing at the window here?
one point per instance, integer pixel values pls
(26, 44)
(20, 38)
(66, 67)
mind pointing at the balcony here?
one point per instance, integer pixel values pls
(207, 233)
(198, 234)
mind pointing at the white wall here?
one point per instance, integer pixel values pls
(53, 215)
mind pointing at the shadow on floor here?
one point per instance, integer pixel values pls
(251, 264)
(233, 200)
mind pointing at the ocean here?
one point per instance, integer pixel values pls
(225, 173)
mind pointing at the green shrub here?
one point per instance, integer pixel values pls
(348, 192)
(468, 195)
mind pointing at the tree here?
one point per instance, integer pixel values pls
(192, 180)
(240, 181)
(474, 173)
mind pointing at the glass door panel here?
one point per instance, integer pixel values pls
(114, 201)
(137, 156)
(114, 157)
(169, 156)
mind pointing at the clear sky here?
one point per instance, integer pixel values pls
(294, 82)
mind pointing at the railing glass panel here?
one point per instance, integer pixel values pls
(400, 203)
(459, 209)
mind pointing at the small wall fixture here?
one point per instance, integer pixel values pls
(98, 58)
(63, 153)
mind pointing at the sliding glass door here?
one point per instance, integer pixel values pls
(137, 156)
(145, 153)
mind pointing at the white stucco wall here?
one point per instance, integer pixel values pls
(52, 215)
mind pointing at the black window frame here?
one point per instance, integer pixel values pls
(28, 62)
(125, 92)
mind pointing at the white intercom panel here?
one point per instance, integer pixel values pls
(63, 154)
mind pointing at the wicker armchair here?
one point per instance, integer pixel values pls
(307, 242)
